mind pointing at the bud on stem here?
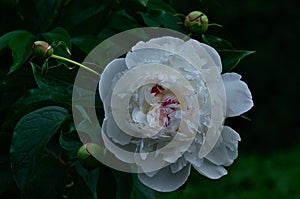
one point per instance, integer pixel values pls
(86, 155)
(196, 22)
(42, 49)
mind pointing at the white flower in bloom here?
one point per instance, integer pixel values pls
(165, 105)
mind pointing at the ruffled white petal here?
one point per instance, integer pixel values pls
(178, 165)
(114, 132)
(106, 79)
(210, 170)
(165, 180)
(205, 52)
(214, 54)
(238, 95)
(225, 151)
(166, 43)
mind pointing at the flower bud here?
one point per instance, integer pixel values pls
(42, 49)
(196, 22)
(86, 155)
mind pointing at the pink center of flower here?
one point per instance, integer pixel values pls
(168, 104)
(157, 89)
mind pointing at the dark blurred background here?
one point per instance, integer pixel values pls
(271, 28)
(268, 165)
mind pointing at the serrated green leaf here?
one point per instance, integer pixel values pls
(30, 137)
(231, 58)
(217, 42)
(142, 191)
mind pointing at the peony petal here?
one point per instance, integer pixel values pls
(166, 43)
(114, 132)
(225, 151)
(146, 56)
(178, 165)
(230, 137)
(106, 79)
(238, 95)
(165, 180)
(214, 54)
(205, 52)
(211, 170)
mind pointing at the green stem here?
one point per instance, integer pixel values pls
(76, 63)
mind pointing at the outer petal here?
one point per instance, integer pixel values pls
(205, 52)
(210, 170)
(214, 54)
(114, 132)
(225, 151)
(165, 180)
(166, 43)
(106, 80)
(239, 98)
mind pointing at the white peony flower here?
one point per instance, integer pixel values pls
(165, 105)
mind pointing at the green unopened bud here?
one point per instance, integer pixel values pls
(196, 22)
(42, 49)
(86, 155)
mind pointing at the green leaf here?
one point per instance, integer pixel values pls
(31, 100)
(30, 137)
(142, 191)
(231, 58)
(5, 39)
(156, 18)
(48, 11)
(70, 141)
(20, 42)
(86, 42)
(78, 14)
(59, 90)
(124, 184)
(21, 49)
(150, 20)
(159, 5)
(144, 2)
(121, 21)
(6, 180)
(217, 42)
(90, 177)
(55, 36)
(58, 34)
(172, 22)
(49, 179)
